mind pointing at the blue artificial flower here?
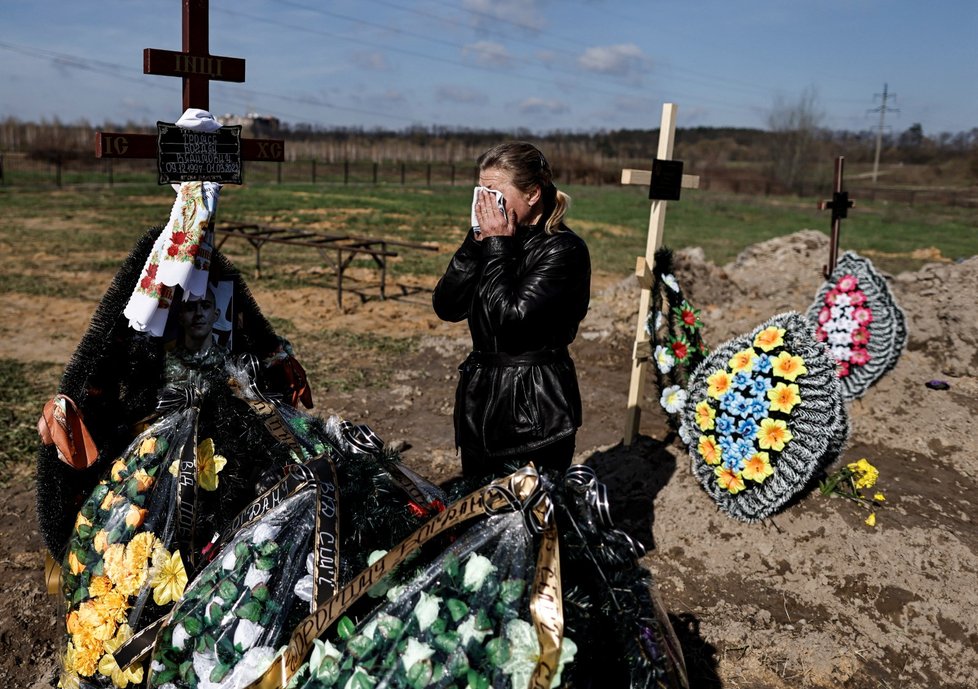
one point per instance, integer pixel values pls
(741, 380)
(760, 386)
(741, 406)
(724, 424)
(726, 443)
(744, 448)
(748, 429)
(758, 408)
(763, 364)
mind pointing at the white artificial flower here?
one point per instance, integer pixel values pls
(204, 663)
(303, 587)
(843, 300)
(256, 576)
(525, 651)
(664, 359)
(263, 532)
(684, 434)
(839, 337)
(157, 666)
(359, 678)
(841, 353)
(426, 611)
(477, 568)
(229, 560)
(838, 312)
(673, 399)
(467, 631)
(246, 633)
(252, 665)
(394, 592)
(179, 637)
(415, 652)
(670, 281)
(323, 660)
(378, 590)
(660, 320)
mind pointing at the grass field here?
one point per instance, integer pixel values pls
(91, 229)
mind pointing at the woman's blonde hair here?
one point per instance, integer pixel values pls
(529, 168)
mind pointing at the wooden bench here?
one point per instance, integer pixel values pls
(345, 248)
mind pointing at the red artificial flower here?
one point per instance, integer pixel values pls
(859, 356)
(843, 369)
(146, 283)
(178, 237)
(173, 250)
(860, 336)
(192, 250)
(820, 334)
(689, 318)
(846, 283)
(417, 510)
(680, 350)
(151, 271)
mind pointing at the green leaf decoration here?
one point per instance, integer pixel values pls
(458, 609)
(249, 611)
(345, 628)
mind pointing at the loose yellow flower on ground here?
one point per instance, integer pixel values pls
(879, 497)
(788, 366)
(783, 397)
(709, 449)
(110, 668)
(170, 581)
(729, 479)
(758, 467)
(871, 519)
(769, 338)
(719, 383)
(774, 435)
(743, 361)
(208, 465)
(705, 415)
(148, 446)
(864, 473)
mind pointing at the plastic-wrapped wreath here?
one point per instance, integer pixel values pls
(855, 314)
(765, 413)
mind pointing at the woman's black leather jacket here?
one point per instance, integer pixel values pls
(524, 297)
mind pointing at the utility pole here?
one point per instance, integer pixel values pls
(879, 132)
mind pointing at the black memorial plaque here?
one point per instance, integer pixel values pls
(186, 156)
(667, 180)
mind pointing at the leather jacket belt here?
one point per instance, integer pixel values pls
(503, 360)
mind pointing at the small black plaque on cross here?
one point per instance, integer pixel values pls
(667, 180)
(185, 155)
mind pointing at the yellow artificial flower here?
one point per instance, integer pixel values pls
(709, 450)
(174, 468)
(118, 469)
(101, 541)
(81, 521)
(88, 650)
(112, 607)
(864, 473)
(170, 581)
(783, 397)
(140, 548)
(705, 415)
(95, 627)
(729, 479)
(147, 447)
(208, 465)
(110, 500)
(769, 338)
(758, 467)
(774, 435)
(719, 383)
(871, 519)
(135, 516)
(74, 564)
(114, 562)
(143, 480)
(110, 668)
(99, 586)
(879, 497)
(743, 361)
(69, 678)
(788, 366)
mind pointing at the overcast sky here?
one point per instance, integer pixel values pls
(540, 64)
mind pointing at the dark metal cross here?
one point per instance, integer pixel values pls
(840, 205)
(198, 68)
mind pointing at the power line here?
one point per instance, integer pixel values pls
(879, 132)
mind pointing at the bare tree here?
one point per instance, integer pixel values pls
(795, 127)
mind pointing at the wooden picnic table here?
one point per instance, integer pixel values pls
(344, 247)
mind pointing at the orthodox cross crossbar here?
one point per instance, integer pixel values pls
(664, 181)
(198, 68)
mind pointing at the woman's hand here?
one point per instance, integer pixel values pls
(492, 221)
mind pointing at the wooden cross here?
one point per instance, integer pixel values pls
(664, 182)
(840, 205)
(198, 68)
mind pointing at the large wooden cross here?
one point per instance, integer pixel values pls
(664, 181)
(198, 68)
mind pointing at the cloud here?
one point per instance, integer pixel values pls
(488, 54)
(617, 60)
(541, 106)
(522, 13)
(460, 94)
(375, 61)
